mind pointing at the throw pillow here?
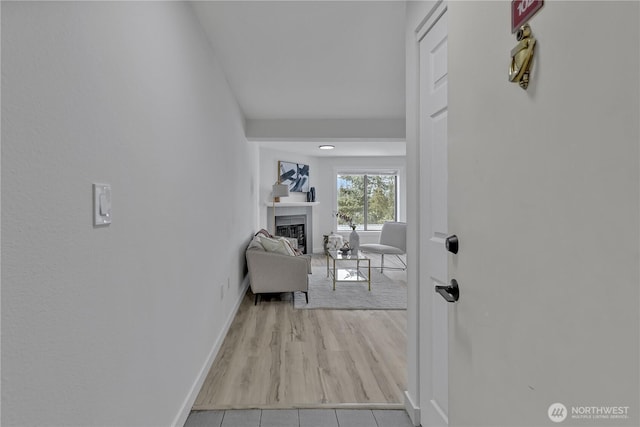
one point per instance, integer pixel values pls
(275, 245)
(290, 249)
(255, 243)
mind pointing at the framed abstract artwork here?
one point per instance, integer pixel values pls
(295, 175)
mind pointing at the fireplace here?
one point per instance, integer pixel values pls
(294, 226)
(293, 219)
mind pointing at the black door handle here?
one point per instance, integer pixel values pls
(451, 243)
(450, 293)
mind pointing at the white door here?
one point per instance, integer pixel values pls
(544, 195)
(433, 219)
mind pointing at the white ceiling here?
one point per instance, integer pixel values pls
(313, 60)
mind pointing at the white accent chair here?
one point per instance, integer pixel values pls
(393, 241)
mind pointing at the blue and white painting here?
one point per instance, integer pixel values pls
(295, 175)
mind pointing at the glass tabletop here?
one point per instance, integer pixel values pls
(355, 256)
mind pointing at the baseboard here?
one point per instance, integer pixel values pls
(185, 409)
(412, 409)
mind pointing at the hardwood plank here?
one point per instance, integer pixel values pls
(277, 357)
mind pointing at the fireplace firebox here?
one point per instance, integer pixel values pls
(293, 226)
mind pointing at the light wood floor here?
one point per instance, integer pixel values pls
(277, 357)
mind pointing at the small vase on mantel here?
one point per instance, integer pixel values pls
(354, 240)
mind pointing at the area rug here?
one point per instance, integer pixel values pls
(385, 294)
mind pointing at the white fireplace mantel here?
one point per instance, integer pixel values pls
(291, 204)
(292, 208)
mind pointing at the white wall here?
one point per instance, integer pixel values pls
(115, 325)
(322, 129)
(268, 176)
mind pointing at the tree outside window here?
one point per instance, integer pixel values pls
(368, 199)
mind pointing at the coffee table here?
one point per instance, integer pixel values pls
(339, 271)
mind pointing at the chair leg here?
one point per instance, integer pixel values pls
(306, 295)
(255, 301)
(403, 263)
(382, 265)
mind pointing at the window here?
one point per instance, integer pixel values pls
(368, 199)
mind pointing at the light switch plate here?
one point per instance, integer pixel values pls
(101, 204)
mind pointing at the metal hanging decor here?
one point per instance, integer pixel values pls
(522, 57)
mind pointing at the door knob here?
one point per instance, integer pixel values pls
(451, 243)
(450, 293)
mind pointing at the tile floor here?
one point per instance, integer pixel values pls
(299, 418)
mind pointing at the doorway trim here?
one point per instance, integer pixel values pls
(412, 394)
(430, 20)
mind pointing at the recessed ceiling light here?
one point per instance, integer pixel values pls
(327, 147)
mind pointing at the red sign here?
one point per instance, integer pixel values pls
(522, 11)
